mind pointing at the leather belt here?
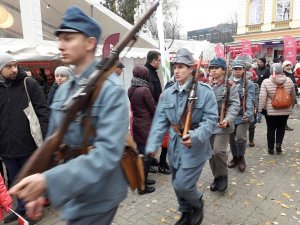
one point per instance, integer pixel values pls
(66, 153)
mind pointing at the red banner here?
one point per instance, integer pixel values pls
(247, 47)
(219, 51)
(110, 42)
(290, 49)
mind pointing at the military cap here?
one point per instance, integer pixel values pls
(183, 56)
(218, 62)
(238, 64)
(120, 65)
(75, 20)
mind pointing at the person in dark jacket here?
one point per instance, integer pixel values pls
(153, 63)
(143, 108)
(262, 71)
(42, 80)
(16, 143)
(61, 74)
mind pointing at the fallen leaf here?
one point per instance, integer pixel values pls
(286, 195)
(282, 214)
(268, 223)
(154, 201)
(177, 217)
(233, 183)
(258, 195)
(285, 206)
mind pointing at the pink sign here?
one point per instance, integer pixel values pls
(219, 51)
(290, 49)
(247, 47)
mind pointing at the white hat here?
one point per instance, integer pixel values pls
(286, 62)
(5, 59)
(63, 70)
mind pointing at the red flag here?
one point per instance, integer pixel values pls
(247, 47)
(219, 51)
(290, 49)
(109, 42)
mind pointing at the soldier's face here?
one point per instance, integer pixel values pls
(238, 72)
(74, 47)
(216, 72)
(10, 71)
(182, 72)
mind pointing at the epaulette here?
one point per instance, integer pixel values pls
(205, 85)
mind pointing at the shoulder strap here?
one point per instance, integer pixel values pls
(28, 96)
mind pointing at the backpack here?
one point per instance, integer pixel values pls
(281, 99)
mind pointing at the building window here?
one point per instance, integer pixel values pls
(255, 12)
(282, 10)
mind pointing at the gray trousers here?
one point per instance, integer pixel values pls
(104, 218)
(238, 140)
(184, 182)
(218, 161)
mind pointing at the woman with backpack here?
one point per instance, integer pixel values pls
(276, 104)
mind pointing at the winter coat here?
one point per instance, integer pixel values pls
(52, 93)
(262, 74)
(267, 91)
(5, 198)
(157, 90)
(290, 75)
(16, 140)
(143, 108)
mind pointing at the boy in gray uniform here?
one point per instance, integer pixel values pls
(188, 154)
(88, 188)
(220, 137)
(238, 139)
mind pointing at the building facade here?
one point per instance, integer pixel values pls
(265, 23)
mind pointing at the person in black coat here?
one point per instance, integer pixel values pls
(262, 71)
(152, 64)
(16, 143)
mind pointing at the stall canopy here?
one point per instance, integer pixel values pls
(32, 35)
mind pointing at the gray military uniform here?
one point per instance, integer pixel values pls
(220, 137)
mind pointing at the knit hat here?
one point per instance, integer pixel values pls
(263, 60)
(277, 68)
(286, 62)
(5, 59)
(218, 62)
(238, 64)
(183, 56)
(63, 70)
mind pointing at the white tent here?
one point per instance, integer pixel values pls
(36, 20)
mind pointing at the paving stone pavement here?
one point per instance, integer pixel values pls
(268, 192)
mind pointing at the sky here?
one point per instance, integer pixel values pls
(197, 14)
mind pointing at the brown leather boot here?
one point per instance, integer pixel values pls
(242, 163)
(233, 163)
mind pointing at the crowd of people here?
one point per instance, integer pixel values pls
(226, 101)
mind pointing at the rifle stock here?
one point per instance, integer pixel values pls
(42, 158)
(225, 91)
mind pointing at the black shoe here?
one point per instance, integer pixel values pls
(152, 170)
(242, 164)
(271, 151)
(214, 185)
(150, 182)
(251, 144)
(185, 219)
(154, 162)
(222, 183)
(288, 128)
(197, 215)
(233, 163)
(146, 191)
(164, 171)
(278, 149)
(11, 218)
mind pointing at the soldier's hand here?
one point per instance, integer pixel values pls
(30, 188)
(224, 124)
(245, 119)
(34, 209)
(186, 141)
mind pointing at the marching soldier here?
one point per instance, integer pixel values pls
(226, 93)
(189, 153)
(238, 139)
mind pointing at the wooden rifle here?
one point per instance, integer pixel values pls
(244, 95)
(42, 158)
(225, 96)
(191, 100)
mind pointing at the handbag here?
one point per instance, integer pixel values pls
(35, 128)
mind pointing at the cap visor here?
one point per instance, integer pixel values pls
(58, 31)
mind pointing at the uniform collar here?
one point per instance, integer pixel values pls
(186, 86)
(85, 75)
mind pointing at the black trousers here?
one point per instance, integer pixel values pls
(276, 129)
